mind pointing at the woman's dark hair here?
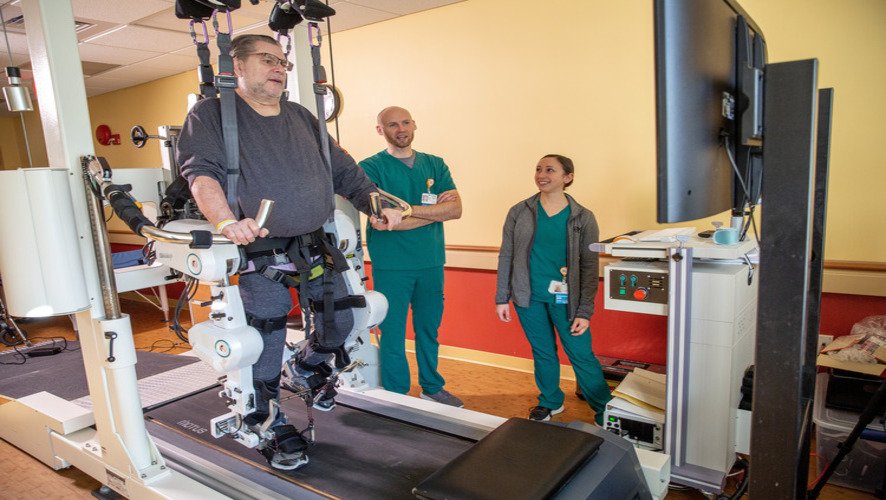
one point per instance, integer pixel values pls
(243, 45)
(566, 162)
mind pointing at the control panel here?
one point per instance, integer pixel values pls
(637, 286)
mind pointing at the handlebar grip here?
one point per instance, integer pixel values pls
(375, 205)
(261, 218)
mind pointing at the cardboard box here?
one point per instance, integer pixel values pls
(875, 369)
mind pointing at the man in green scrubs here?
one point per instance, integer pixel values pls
(407, 263)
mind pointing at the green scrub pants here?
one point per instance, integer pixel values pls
(539, 321)
(423, 288)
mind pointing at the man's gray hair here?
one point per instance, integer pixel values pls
(243, 45)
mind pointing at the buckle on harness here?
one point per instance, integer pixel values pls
(225, 81)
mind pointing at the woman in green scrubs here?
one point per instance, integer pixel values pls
(547, 270)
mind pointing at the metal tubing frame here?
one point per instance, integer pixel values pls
(784, 374)
(129, 460)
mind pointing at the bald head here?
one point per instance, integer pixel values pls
(397, 127)
(382, 115)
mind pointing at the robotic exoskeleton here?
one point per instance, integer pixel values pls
(230, 342)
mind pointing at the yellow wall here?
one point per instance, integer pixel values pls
(849, 41)
(13, 152)
(10, 132)
(161, 102)
(493, 85)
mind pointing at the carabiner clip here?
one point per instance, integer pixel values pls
(288, 46)
(215, 22)
(194, 33)
(315, 36)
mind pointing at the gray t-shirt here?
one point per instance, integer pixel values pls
(280, 160)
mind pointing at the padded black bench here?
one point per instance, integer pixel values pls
(521, 459)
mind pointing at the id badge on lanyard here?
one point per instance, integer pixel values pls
(429, 198)
(560, 289)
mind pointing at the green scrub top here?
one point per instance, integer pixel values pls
(548, 253)
(418, 248)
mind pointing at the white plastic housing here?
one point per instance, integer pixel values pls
(39, 251)
(205, 264)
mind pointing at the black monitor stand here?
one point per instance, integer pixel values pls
(792, 237)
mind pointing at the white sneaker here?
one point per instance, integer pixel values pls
(542, 414)
(288, 461)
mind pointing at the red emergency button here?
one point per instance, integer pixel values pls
(640, 294)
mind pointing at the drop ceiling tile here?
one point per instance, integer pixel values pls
(104, 80)
(141, 38)
(401, 7)
(17, 59)
(118, 11)
(113, 55)
(10, 12)
(94, 90)
(130, 74)
(95, 68)
(260, 28)
(17, 42)
(349, 15)
(260, 12)
(168, 21)
(169, 62)
(240, 19)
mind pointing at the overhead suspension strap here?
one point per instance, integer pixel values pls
(204, 70)
(315, 38)
(198, 12)
(223, 84)
(226, 83)
(284, 16)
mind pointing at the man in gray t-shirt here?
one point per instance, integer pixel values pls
(280, 160)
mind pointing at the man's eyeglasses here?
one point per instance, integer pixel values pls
(271, 60)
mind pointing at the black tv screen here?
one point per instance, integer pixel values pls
(709, 57)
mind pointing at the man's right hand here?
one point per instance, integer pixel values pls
(243, 231)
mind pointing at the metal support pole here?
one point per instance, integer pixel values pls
(679, 317)
(59, 78)
(783, 379)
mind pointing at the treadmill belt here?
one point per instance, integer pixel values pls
(356, 454)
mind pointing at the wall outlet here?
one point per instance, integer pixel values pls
(824, 340)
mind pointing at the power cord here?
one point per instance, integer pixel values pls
(187, 294)
(156, 347)
(57, 346)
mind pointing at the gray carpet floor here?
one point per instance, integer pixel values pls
(63, 374)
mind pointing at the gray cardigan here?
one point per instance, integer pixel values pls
(518, 235)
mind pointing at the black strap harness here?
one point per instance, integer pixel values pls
(314, 256)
